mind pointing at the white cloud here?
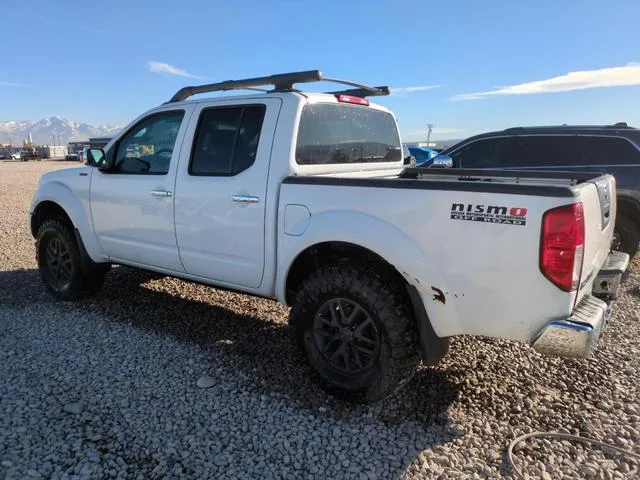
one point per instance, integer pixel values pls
(603, 77)
(405, 90)
(161, 67)
(11, 84)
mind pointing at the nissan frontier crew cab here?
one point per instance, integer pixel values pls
(305, 198)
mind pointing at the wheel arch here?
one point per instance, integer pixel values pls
(629, 205)
(364, 238)
(48, 209)
(331, 252)
(55, 200)
(362, 235)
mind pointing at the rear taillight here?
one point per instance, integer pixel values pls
(562, 246)
(353, 99)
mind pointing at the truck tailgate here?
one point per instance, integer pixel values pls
(599, 211)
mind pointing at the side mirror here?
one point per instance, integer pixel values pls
(97, 158)
(441, 161)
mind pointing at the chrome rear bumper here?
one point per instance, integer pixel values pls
(578, 335)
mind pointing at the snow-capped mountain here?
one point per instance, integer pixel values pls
(43, 131)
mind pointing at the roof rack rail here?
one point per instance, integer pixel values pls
(568, 127)
(283, 82)
(360, 92)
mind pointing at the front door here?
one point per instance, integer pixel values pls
(221, 197)
(133, 206)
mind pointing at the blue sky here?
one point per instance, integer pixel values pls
(90, 61)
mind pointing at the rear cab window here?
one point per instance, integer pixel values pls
(337, 133)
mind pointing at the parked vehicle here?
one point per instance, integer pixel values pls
(30, 153)
(304, 197)
(408, 158)
(16, 156)
(71, 157)
(422, 154)
(613, 149)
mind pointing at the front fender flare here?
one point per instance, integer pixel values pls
(77, 209)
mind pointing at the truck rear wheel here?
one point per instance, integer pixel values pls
(59, 263)
(356, 330)
(626, 235)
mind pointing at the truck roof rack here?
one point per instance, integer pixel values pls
(568, 127)
(362, 93)
(283, 82)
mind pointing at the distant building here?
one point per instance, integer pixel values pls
(422, 144)
(98, 142)
(77, 147)
(92, 142)
(55, 151)
(7, 150)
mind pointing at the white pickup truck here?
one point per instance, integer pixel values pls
(303, 197)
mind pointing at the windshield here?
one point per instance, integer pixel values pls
(332, 133)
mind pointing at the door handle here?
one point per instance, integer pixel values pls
(245, 198)
(160, 193)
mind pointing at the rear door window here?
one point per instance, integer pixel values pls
(535, 151)
(332, 133)
(226, 141)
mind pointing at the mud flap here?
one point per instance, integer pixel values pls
(433, 348)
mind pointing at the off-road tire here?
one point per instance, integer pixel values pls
(628, 231)
(78, 284)
(398, 347)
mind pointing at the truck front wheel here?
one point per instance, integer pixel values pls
(356, 330)
(59, 263)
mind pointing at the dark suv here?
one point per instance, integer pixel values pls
(612, 149)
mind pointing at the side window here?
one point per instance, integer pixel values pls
(609, 151)
(488, 153)
(541, 151)
(226, 141)
(148, 147)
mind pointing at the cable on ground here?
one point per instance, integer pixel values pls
(565, 436)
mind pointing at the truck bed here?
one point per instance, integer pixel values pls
(472, 235)
(539, 183)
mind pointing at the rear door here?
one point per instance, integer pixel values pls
(221, 190)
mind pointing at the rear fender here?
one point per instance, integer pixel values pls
(372, 233)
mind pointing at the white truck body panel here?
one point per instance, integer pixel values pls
(489, 273)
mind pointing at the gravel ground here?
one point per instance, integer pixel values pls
(110, 387)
